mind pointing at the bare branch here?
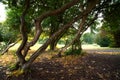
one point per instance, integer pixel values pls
(9, 46)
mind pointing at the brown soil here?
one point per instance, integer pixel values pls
(88, 67)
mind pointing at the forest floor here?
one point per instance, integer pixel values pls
(91, 66)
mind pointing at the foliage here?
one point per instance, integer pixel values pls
(1, 38)
(55, 19)
(2, 46)
(88, 38)
(8, 36)
(73, 52)
(110, 30)
(111, 23)
(103, 41)
(13, 19)
(0, 32)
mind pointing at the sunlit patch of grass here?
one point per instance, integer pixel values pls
(60, 45)
(36, 46)
(15, 47)
(91, 46)
(8, 58)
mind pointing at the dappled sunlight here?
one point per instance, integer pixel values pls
(7, 59)
(15, 47)
(91, 46)
(42, 40)
(75, 66)
(36, 46)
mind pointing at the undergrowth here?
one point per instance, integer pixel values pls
(74, 52)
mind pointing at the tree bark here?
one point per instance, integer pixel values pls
(53, 44)
(55, 25)
(53, 29)
(55, 40)
(23, 31)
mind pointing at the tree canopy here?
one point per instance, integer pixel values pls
(111, 24)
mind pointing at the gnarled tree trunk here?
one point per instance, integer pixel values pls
(23, 30)
(57, 35)
(25, 46)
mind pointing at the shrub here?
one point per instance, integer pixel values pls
(88, 38)
(73, 52)
(103, 41)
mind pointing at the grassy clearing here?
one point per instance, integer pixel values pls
(10, 57)
(95, 46)
(92, 46)
(84, 46)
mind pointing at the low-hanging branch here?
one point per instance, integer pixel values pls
(83, 27)
(45, 45)
(38, 20)
(83, 15)
(77, 36)
(87, 25)
(79, 32)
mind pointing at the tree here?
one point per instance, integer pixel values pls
(111, 23)
(53, 23)
(33, 10)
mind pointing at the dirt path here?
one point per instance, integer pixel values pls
(89, 67)
(108, 50)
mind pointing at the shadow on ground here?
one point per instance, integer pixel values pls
(88, 67)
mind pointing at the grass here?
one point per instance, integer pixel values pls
(35, 47)
(95, 46)
(92, 46)
(9, 57)
(84, 46)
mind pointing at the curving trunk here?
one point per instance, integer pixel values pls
(54, 37)
(25, 46)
